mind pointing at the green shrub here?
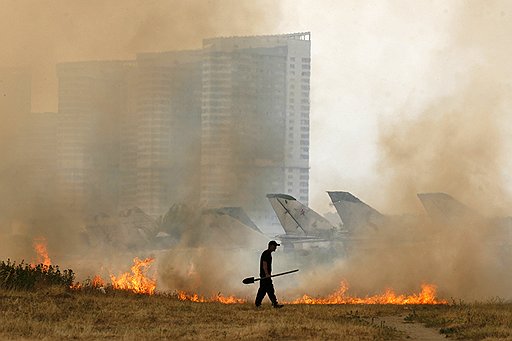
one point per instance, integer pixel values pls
(29, 277)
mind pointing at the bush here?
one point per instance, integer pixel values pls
(29, 277)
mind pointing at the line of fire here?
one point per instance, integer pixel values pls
(171, 172)
(309, 241)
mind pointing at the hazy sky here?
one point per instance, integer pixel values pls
(377, 68)
(406, 97)
(370, 59)
(433, 73)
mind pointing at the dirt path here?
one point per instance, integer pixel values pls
(413, 331)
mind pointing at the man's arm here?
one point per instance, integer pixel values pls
(265, 268)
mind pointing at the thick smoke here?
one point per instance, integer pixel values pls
(40, 34)
(454, 142)
(35, 36)
(458, 144)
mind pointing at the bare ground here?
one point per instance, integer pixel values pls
(412, 330)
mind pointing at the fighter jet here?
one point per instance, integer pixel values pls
(449, 212)
(367, 228)
(355, 214)
(444, 209)
(304, 228)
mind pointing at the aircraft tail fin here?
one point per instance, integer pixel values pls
(443, 208)
(296, 218)
(354, 213)
(239, 214)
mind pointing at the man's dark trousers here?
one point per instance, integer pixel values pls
(266, 287)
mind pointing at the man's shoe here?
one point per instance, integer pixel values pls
(278, 305)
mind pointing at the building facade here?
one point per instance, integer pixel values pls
(38, 155)
(164, 139)
(255, 121)
(220, 126)
(93, 101)
(15, 106)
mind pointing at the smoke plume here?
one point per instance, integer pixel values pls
(35, 36)
(455, 143)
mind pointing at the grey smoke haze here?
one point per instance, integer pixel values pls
(448, 133)
(445, 132)
(39, 34)
(35, 36)
(456, 142)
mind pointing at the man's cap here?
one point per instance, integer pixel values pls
(273, 242)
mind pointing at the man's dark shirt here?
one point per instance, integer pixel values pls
(267, 257)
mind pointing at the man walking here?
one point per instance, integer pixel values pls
(266, 285)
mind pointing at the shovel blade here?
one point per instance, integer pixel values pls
(248, 280)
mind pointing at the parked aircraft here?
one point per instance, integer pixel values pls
(451, 213)
(355, 214)
(304, 228)
(368, 229)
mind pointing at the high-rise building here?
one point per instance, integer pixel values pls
(15, 103)
(222, 126)
(38, 155)
(255, 121)
(165, 132)
(93, 100)
(130, 132)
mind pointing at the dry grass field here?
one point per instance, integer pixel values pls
(474, 321)
(57, 314)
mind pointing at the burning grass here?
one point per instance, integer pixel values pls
(426, 296)
(41, 302)
(64, 315)
(137, 281)
(58, 311)
(55, 313)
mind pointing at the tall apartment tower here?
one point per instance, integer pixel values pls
(129, 132)
(38, 154)
(161, 148)
(255, 121)
(15, 103)
(93, 99)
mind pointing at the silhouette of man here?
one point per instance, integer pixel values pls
(266, 285)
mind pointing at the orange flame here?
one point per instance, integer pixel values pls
(97, 282)
(42, 253)
(137, 281)
(184, 296)
(426, 296)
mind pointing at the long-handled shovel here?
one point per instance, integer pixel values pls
(250, 280)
